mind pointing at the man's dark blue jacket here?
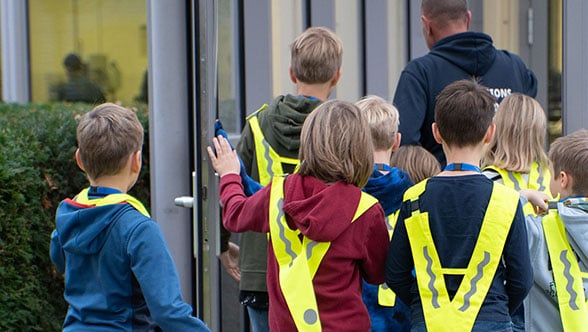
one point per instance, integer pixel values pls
(463, 55)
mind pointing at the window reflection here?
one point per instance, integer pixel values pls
(554, 111)
(107, 36)
(228, 66)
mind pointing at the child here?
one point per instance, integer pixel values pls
(558, 241)
(416, 161)
(119, 274)
(462, 234)
(516, 156)
(325, 234)
(387, 184)
(269, 145)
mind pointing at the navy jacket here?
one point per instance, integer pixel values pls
(463, 55)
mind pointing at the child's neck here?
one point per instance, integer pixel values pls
(320, 91)
(467, 155)
(382, 157)
(114, 181)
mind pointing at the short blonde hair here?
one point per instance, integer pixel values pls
(417, 161)
(335, 144)
(383, 120)
(316, 55)
(107, 136)
(570, 154)
(521, 126)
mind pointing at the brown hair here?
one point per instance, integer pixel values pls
(317, 55)
(107, 136)
(443, 11)
(335, 144)
(463, 113)
(570, 154)
(383, 120)
(416, 161)
(519, 141)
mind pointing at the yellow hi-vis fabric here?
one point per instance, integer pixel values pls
(269, 162)
(567, 275)
(463, 309)
(82, 198)
(538, 179)
(387, 297)
(298, 259)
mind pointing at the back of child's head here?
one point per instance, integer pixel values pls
(570, 154)
(335, 144)
(463, 113)
(417, 161)
(519, 141)
(383, 120)
(317, 55)
(107, 136)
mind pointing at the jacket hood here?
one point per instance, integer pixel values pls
(309, 204)
(574, 214)
(473, 52)
(83, 229)
(388, 188)
(282, 121)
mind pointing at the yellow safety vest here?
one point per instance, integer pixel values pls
(441, 313)
(386, 296)
(538, 179)
(82, 198)
(269, 162)
(567, 275)
(298, 260)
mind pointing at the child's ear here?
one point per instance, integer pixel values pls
(566, 181)
(436, 133)
(490, 134)
(79, 160)
(136, 162)
(292, 76)
(336, 77)
(396, 144)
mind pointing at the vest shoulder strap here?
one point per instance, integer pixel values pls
(571, 298)
(83, 198)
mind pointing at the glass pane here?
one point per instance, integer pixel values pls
(396, 42)
(555, 68)
(501, 21)
(108, 39)
(228, 70)
(347, 27)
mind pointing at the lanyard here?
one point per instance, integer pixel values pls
(462, 167)
(382, 167)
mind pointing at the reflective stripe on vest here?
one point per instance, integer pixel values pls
(299, 260)
(269, 162)
(567, 275)
(538, 179)
(82, 198)
(387, 297)
(462, 311)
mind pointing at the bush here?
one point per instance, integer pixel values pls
(37, 171)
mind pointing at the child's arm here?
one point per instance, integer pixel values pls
(537, 199)
(56, 252)
(155, 271)
(376, 243)
(399, 262)
(519, 271)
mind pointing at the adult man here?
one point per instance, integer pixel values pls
(455, 53)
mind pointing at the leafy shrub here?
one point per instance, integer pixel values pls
(37, 171)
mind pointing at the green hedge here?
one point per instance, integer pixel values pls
(37, 171)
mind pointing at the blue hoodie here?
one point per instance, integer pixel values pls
(460, 56)
(119, 274)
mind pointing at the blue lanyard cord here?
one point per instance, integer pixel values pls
(462, 167)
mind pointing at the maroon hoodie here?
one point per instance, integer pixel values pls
(322, 213)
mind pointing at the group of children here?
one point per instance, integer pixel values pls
(363, 234)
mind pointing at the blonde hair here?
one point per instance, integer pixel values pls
(383, 120)
(107, 136)
(335, 144)
(317, 55)
(570, 154)
(521, 126)
(417, 161)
